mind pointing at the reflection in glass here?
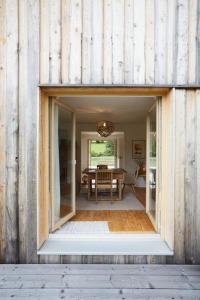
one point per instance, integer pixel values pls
(62, 162)
(152, 162)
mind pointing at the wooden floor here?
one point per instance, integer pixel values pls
(141, 195)
(105, 282)
(118, 220)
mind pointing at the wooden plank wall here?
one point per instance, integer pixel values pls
(121, 41)
(94, 42)
(10, 101)
(2, 126)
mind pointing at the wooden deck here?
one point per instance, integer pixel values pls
(83, 282)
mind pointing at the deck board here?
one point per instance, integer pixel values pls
(99, 282)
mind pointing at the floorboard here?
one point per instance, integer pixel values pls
(141, 195)
(118, 220)
(99, 282)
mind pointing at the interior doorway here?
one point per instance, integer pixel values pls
(130, 152)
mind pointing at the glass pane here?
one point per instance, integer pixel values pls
(102, 153)
(62, 162)
(152, 161)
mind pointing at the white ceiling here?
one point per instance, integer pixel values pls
(90, 109)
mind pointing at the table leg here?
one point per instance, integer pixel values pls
(120, 189)
(89, 188)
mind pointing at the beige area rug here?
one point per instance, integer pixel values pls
(129, 202)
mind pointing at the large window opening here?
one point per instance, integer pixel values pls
(104, 185)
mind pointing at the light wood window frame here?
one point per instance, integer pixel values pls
(165, 194)
(55, 225)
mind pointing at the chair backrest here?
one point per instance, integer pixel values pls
(104, 176)
(136, 173)
(85, 179)
(102, 167)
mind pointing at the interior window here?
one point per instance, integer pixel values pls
(102, 152)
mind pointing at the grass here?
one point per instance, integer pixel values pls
(152, 162)
(101, 147)
(103, 158)
(107, 160)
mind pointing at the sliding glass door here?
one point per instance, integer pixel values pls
(62, 163)
(152, 164)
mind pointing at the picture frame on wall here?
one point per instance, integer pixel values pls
(138, 149)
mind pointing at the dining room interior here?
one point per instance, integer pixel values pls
(111, 188)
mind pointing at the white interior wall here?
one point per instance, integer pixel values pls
(132, 131)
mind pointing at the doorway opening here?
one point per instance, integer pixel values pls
(104, 185)
(135, 194)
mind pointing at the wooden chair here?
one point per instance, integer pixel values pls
(133, 183)
(103, 181)
(102, 167)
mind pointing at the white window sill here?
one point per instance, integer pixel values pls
(112, 244)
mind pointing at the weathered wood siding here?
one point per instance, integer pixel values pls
(94, 42)
(121, 41)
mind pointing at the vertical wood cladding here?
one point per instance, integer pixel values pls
(94, 42)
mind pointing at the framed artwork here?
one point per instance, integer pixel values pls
(138, 149)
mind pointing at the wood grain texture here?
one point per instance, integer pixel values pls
(120, 41)
(99, 281)
(117, 41)
(54, 41)
(86, 41)
(107, 45)
(44, 41)
(75, 40)
(119, 220)
(168, 146)
(160, 41)
(182, 42)
(190, 182)
(129, 42)
(139, 41)
(171, 40)
(192, 43)
(97, 42)
(28, 122)
(84, 269)
(149, 41)
(103, 90)
(196, 209)
(124, 46)
(180, 159)
(11, 143)
(2, 128)
(65, 40)
(198, 44)
(43, 191)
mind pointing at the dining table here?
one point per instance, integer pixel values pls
(118, 175)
